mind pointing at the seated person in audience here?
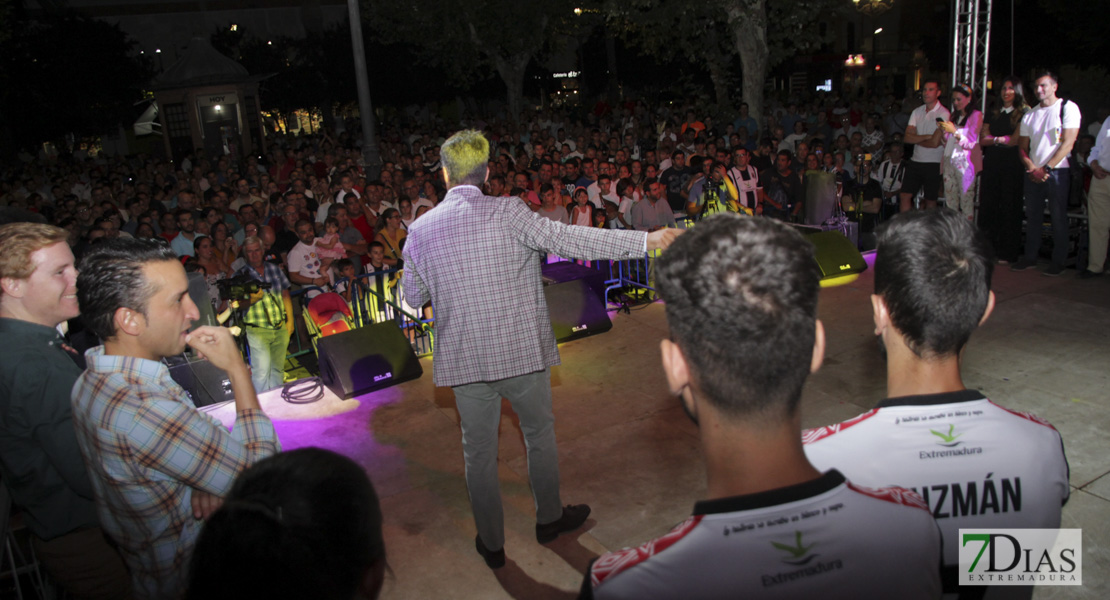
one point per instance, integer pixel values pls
(551, 207)
(155, 462)
(741, 301)
(862, 199)
(328, 247)
(304, 260)
(345, 277)
(382, 286)
(300, 524)
(977, 464)
(581, 212)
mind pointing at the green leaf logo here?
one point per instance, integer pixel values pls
(949, 439)
(797, 551)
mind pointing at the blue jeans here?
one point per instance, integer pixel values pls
(1054, 191)
(479, 407)
(268, 347)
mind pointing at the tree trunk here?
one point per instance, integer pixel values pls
(511, 71)
(716, 60)
(719, 76)
(748, 21)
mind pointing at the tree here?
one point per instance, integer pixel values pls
(766, 35)
(667, 30)
(711, 32)
(467, 38)
(68, 74)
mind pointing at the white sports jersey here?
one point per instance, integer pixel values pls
(747, 184)
(976, 464)
(825, 538)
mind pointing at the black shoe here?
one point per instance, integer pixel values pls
(1053, 271)
(1023, 264)
(494, 560)
(573, 518)
(1086, 274)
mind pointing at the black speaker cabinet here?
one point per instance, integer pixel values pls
(575, 310)
(204, 382)
(564, 271)
(836, 254)
(366, 359)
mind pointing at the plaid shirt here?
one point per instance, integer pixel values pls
(268, 313)
(145, 446)
(477, 258)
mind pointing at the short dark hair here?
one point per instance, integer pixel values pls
(1038, 73)
(299, 524)
(111, 277)
(741, 301)
(933, 270)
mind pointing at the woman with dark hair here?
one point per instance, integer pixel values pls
(1001, 204)
(224, 243)
(145, 231)
(299, 524)
(963, 158)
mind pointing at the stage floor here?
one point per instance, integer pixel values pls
(627, 449)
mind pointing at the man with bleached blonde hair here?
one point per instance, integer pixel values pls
(477, 259)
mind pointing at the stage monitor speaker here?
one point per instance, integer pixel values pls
(204, 382)
(564, 271)
(366, 359)
(836, 254)
(575, 310)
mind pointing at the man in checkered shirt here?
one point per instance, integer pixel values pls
(477, 259)
(157, 465)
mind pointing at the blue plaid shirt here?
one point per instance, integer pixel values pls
(146, 446)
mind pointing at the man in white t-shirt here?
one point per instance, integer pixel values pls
(1048, 133)
(741, 301)
(923, 169)
(977, 464)
(304, 261)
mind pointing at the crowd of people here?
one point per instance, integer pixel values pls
(128, 458)
(871, 156)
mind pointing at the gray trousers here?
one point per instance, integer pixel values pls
(479, 407)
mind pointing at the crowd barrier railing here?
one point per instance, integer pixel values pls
(374, 303)
(368, 305)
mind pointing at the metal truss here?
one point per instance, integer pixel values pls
(971, 29)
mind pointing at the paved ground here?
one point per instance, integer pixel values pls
(627, 449)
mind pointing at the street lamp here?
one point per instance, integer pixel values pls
(873, 7)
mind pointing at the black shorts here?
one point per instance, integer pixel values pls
(922, 176)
